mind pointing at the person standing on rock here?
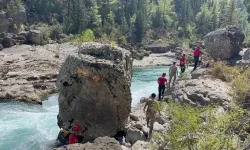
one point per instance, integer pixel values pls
(73, 138)
(162, 81)
(173, 72)
(183, 62)
(197, 54)
(150, 113)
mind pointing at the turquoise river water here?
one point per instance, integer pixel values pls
(34, 127)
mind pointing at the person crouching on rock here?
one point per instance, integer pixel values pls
(73, 138)
(162, 81)
(150, 113)
(183, 63)
(173, 72)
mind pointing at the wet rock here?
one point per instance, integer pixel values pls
(224, 43)
(98, 112)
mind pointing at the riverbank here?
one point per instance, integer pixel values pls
(29, 73)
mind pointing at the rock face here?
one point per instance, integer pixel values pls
(101, 143)
(224, 43)
(4, 22)
(158, 48)
(29, 73)
(202, 92)
(94, 90)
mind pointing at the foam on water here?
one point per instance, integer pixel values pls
(33, 127)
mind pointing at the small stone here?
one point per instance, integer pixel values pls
(134, 116)
(145, 130)
(139, 125)
(158, 127)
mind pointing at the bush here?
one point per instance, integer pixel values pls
(194, 128)
(86, 36)
(224, 72)
(242, 89)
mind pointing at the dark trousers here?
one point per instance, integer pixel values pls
(161, 89)
(183, 67)
(196, 61)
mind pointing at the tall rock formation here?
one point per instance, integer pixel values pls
(224, 43)
(94, 90)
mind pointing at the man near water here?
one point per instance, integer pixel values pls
(197, 54)
(150, 113)
(173, 72)
(162, 81)
(183, 62)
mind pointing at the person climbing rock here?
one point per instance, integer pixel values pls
(183, 62)
(62, 138)
(73, 138)
(197, 54)
(173, 72)
(162, 81)
(150, 113)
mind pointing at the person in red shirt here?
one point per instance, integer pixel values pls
(183, 61)
(73, 138)
(197, 54)
(162, 81)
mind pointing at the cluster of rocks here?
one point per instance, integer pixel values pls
(34, 37)
(160, 48)
(28, 73)
(201, 89)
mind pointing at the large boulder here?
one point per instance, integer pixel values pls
(224, 43)
(101, 143)
(202, 92)
(35, 37)
(94, 90)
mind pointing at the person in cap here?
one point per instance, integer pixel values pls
(150, 113)
(197, 54)
(162, 82)
(73, 138)
(173, 72)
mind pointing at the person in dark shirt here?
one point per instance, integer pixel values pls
(162, 81)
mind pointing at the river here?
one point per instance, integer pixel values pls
(34, 127)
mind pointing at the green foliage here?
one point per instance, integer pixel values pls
(86, 36)
(14, 6)
(242, 89)
(224, 72)
(194, 128)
